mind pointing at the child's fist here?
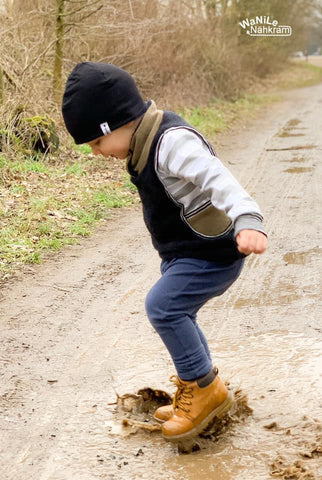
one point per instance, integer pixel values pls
(251, 241)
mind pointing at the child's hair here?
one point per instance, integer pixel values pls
(99, 98)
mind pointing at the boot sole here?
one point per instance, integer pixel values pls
(219, 412)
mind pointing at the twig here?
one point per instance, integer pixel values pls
(9, 78)
(35, 60)
(131, 9)
(79, 9)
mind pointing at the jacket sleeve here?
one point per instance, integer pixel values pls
(185, 160)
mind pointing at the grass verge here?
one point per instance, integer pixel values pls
(298, 74)
(47, 204)
(54, 201)
(221, 114)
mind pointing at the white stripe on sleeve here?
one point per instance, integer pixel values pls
(192, 175)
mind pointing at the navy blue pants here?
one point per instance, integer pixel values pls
(172, 305)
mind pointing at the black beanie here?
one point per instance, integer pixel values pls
(99, 98)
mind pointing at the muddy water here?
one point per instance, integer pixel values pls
(299, 170)
(281, 373)
(301, 258)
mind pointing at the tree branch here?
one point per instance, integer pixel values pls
(91, 13)
(81, 8)
(35, 60)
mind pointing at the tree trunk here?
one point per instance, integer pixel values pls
(1, 86)
(59, 46)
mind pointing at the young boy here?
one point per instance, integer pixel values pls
(201, 221)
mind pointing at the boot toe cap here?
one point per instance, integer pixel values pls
(164, 413)
(176, 426)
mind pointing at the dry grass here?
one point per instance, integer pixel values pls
(53, 202)
(56, 200)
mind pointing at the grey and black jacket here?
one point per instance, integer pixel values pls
(192, 205)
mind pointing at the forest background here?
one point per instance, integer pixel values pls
(189, 55)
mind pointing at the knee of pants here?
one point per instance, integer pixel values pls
(153, 306)
(156, 305)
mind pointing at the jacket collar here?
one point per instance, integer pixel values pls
(143, 137)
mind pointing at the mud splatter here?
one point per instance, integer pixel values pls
(283, 294)
(287, 129)
(314, 451)
(134, 413)
(145, 401)
(298, 465)
(286, 133)
(299, 170)
(237, 414)
(301, 258)
(144, 426)
(13, 395)
(297, 160)
(292, 123)
(297, 470)
(296, 147)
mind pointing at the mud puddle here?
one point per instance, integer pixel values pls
(275, 432)
(288, 129)
(295, 147)
(301, 257)
(296, 160)
(298, 170)
(135, 412)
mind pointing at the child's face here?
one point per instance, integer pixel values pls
(115, 144)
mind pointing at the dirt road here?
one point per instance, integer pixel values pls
(74, 332)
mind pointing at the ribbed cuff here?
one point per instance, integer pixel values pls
(248, 221)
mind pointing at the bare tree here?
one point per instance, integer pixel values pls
(67, 17)
(59, 46)
(170, 46)
(1, 86)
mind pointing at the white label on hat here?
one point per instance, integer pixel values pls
(105, 128)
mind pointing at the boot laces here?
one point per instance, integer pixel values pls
(183, 396)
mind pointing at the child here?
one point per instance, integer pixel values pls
(201, 221)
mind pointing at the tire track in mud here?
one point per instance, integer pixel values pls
(274, 189)
(277, 290)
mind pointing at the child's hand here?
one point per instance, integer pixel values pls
(251, 241)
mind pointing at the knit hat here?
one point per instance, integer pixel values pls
(98, 99)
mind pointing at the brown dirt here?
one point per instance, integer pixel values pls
(74, 333)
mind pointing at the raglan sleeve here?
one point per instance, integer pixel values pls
(185, 155)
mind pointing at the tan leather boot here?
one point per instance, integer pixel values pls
(164, 413)
(195, 407)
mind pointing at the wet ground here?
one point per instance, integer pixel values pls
(74, 336)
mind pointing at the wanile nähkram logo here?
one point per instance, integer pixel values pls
(262, 26)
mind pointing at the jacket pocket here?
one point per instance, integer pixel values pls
(210, 222)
